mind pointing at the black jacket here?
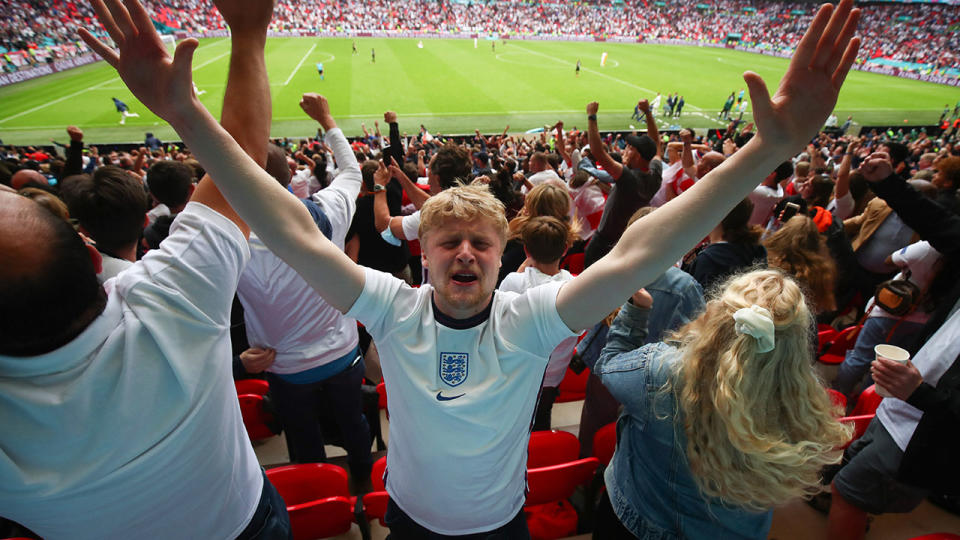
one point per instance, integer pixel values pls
(930, 460)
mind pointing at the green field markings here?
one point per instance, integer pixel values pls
(300, 64)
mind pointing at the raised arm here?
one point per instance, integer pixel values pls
(807, 94)
(163, 84)
(596, 144)
(247, 84)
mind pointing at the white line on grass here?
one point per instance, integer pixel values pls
(94, 87)
(302, 60)
(58, 100)
(210, 61)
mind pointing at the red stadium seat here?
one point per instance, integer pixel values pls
(259, 387)
(573, 263)
(837, 398)
(938, 536)
(376, 474)
(573, 387)
(317, 498)
(838, 347)
(605, 443)
(375, 502)
(868, 401)
(551, 448)
(557, 482)
(256, 419)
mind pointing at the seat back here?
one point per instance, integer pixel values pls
(376, 474)
(868, 401)
(259, 387)
(256, 419)
(844, 341)
(375, 505)
(551, 448)
(837, 398)
(307, 482)
(605, 443)
(557, 482)
(323, 518)
(573, 387)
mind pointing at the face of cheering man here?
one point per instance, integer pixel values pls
(463, 258)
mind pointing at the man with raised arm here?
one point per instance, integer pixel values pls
(120, 415)
(463, 365)
(317, 366)
(635, 181)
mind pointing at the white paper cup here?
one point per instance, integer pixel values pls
(890, 352)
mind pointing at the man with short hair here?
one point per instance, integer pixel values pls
(461, 363)
(636, 181)
(111, 208)
(120, 415)
(316, 366)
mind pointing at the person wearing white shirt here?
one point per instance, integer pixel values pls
(463, 364)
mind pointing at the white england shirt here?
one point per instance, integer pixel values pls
(461, 399)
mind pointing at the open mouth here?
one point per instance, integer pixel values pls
(464, 278)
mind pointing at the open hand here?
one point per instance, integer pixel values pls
(162, 83)
(808, 91)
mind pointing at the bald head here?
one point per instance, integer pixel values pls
(48, 287)
(23, 177)
(708, 162)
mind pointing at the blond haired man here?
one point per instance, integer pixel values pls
(453, 347)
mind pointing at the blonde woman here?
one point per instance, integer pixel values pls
(801, 251)
(721, 425)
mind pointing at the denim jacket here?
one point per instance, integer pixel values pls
(649, 481)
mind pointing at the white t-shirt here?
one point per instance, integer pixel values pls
(133, 429)
(543, 176)
(157, 211)
(111, 267)
(519, 282)
(281, 311)
(461, 400)
(764, 200)
(411, 226)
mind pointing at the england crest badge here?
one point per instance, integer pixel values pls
(454, 367)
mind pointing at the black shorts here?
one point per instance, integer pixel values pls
(868, 478)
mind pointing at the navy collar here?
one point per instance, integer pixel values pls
(461, 324)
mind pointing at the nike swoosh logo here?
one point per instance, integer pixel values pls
(441, 397)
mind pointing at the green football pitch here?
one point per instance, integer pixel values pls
(452, 87)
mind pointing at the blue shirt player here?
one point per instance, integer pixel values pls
(123, 110)
(320, 70)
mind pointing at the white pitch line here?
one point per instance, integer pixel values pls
(631, 85)
(58, 100)
(94, 87)
(210, 61)
(302, 60)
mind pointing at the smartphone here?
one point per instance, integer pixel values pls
(790, 211)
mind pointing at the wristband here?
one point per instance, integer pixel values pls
(592, 117)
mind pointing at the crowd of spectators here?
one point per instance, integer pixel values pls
(913, 33)
(133, 268)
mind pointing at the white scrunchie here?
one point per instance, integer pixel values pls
(756, 321)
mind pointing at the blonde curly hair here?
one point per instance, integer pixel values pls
(759, 426)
